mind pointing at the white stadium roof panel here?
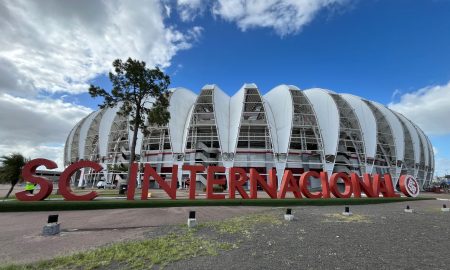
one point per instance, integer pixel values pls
(280, 102)
(328, 117)
(181, 103)
(367, 123)
(236, 107)
(84, 131)
(221, 111)
(397, 130)
(414, 137)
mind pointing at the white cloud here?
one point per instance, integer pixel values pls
(428, 107)
(55, 45)
(284, 16)
(396, 93)
(51, 46)
(54, 153)
(442, 166)
(37, 127)
(190, 9)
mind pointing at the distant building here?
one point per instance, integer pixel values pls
(50, 175)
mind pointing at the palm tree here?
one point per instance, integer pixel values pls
(11, 169)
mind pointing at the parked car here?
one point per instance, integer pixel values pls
(102, 184)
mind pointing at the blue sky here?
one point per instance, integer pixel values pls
(371, 49)
(393, 52)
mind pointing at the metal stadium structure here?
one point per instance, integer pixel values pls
(287, 128)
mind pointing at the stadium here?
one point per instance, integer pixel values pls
(287, 128)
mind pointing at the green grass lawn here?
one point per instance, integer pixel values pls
(134, 254)
(17, 206)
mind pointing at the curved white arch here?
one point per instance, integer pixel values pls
(414, 136)
(140, 136)
(221, 112)
(105, 128)
(272, 126)
(430, 148)
(431, 153)
(83, 133)
(280, 101)
(93, 131)
(139, 139)
(327, 115)
(186, 127)
(424, 146)
(70, 141)
(180, 105)
(397, 130)
(236, 107)
(367, 122)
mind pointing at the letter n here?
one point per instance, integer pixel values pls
(270, 188)
(170, 190)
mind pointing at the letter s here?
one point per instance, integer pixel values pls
(28, 175)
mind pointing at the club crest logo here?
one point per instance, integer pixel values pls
(409, 186)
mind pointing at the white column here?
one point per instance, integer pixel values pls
(180, 173)
(398, 171)
(227, 165)
(280, 166)
(369, 168)
(329, 168)
(81, 180)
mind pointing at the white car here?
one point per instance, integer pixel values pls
(103, 184)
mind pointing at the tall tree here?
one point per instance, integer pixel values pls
(11, 169)
(134, 86)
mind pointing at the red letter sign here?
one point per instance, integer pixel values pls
(270, 188)
(170, 190)
(384, 186)
(64, 181)
(303, 183)
(365, 186)
(288, 183)
(236, 184)
(131, 188)
(28, 175)
(211, 181)
(194, 169)
(347, 183)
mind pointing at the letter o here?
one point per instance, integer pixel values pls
(347, 182)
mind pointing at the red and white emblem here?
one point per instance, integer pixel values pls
(409, 185)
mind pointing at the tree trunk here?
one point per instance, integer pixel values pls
(133, 142)
(10, 190)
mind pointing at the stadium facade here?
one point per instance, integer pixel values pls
(287, 128)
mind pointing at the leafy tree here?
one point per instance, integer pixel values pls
(11, 169)
(116, 168)
(134, 88)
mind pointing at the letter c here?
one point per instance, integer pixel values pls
(64, 181)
